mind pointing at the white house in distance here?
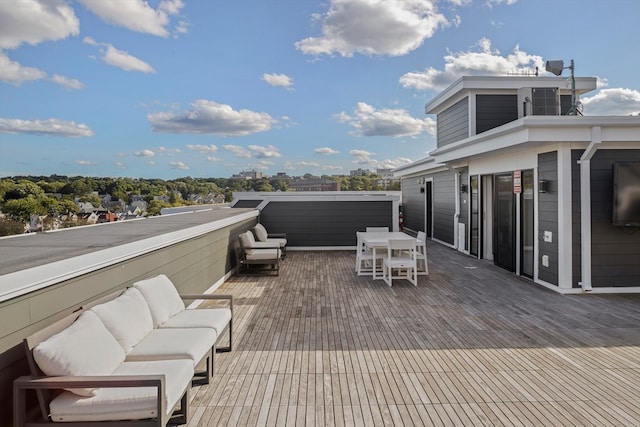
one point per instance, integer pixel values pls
(516, 181)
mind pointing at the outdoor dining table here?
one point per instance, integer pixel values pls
(380, 240)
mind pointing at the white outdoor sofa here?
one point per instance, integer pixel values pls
(128, 359)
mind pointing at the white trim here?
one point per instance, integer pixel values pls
(565, 262)
(456, 213)
(585, 208)
(32, 279)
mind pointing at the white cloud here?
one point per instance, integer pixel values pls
(86, 163)
(125, 61)
(238, 151)
(203, 149)
(394, 163)
(120, 165)
(374, 27)
(137, 15)
(483, 61)
(612, 102)
(261, 152)
(281, 80)
(332, 167)
(325, 150)
(67, 82)
(262, 165)
(386, 122)
(144, 153)
(178, 165)
(497, 2)
(35, 21)
(13, 73)
(363, 157)
(210, 117)
(51, 127)
(212, 159)
(170, 151)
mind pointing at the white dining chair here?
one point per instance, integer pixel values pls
(421, 253)
(377, 229)
(401, 257)
(364, 257)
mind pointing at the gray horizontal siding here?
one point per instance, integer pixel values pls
(325, 223)
(453, 123)
(548, 216)
(615, 251)
(444, 194)
(413, 204)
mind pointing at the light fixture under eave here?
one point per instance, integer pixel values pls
(556, 67)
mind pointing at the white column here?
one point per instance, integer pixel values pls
(564, 218)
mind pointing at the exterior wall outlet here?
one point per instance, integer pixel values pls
(548, 236)
(545, 260)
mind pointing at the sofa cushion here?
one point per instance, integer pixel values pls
(167, 344)
(86, 347)
(260, 232)
(216, 318)
(127, 318)
(162, 298)
(132, 403)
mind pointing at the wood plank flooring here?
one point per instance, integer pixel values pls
(471, 345)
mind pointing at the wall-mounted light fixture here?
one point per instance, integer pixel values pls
(464, 188)
(543, 186)
(422, 189)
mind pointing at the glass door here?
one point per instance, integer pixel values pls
(504, 254)
(526, 224)
(475, 216)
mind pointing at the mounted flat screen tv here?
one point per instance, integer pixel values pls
(626, 194)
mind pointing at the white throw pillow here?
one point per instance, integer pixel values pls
(261, 232)
(84, 348)
(162, 298)
(127, 318)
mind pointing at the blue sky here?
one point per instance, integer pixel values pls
(174, 88)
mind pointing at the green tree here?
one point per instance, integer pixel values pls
(22, 209)
(154, 207)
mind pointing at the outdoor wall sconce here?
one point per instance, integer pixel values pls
(422, 189)
(543, 186)
(464, 188)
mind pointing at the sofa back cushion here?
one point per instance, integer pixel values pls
(260, 232)
(127, 318)
(162, 298)
(86, 347)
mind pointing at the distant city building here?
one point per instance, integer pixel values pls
(282, 176)
(314, 185)
(254, 174)
(360, 172)
(385, 173)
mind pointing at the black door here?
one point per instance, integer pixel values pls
(504, 235)
(428, 194)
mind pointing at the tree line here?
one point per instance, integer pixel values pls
(56, 195)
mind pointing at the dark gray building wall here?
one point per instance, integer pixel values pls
(325, 223)
(615, 251)
(413, 203)
(548, 216)
(246, 203)
(444, 208)
(495, 110)
(453, 123)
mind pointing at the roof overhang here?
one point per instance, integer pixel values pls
(468, 84)
(428, 164)
(541, 130)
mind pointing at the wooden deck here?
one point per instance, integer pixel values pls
(471, 345)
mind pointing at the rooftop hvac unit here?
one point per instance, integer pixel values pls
(545, 101)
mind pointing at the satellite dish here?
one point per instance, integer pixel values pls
(555, 67)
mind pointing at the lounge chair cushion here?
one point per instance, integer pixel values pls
(86, 347)
(216, 318)
(127, 318)
(247, 241)
(167, 344)
(261, 233)
(263, 254)
(133, 403)
(162, 297)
